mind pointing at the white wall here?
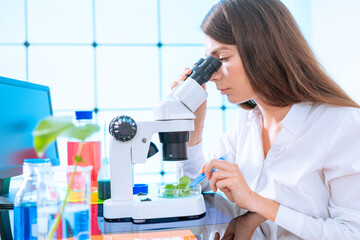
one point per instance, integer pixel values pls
(335, 39)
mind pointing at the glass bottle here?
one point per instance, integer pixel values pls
(104, 191)
(25, 202)
(91, 152)
(48, 204)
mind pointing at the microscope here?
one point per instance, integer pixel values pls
(131, 144)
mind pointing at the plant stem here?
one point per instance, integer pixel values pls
(61, 211)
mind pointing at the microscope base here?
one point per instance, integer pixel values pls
(141, 209)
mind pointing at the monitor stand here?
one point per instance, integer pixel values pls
(6, 196)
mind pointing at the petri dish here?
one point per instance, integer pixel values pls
(179, 193)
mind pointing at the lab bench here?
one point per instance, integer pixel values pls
(220, 214)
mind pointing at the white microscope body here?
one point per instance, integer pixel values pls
(131, 146)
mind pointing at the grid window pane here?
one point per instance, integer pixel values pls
(12, 21)
(181, 20)
(13, 62)
(65, 21)
(68, 71)
(128, 77)
(128, 21)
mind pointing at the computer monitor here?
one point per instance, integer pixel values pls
(22, 106)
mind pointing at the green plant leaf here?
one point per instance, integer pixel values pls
(82, 132)
(185, 193)
(52, 127)
(170, 186)
(178, 190)
(184, 182)
(48, 130)
(170, 193)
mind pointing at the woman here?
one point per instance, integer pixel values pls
(294, 156)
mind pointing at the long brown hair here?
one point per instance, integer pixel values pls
(280, 65)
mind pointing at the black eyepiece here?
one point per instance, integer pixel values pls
(203, 69)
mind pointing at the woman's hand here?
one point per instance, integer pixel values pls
(196, 135)
(229, 179)
(182, 77)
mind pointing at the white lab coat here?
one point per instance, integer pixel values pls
(312, 169)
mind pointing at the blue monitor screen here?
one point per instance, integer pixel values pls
(22, 106)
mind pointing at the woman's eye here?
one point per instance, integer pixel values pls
(221, 59)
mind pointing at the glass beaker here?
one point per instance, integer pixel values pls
(75, 219)
(76, 216)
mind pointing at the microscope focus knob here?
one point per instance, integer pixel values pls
(123, 128)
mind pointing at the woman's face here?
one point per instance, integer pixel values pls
(231, 79)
